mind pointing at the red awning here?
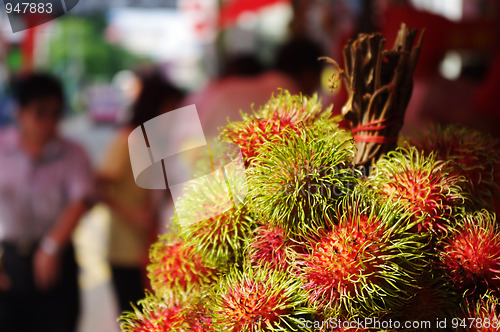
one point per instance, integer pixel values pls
(234, 8)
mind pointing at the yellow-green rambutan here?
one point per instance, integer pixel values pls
(257, 300)
(366, 264)
(295, 184)
(211, 217)
(422, 185)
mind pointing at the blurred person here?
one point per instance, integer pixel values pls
(46, 185)
(244, 83)
(133, 210)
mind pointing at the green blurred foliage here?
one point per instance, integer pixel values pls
(80, 48)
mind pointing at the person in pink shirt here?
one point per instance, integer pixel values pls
(46, 185)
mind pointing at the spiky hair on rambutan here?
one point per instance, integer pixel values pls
(295, 184)
(270, 247)
(280, 117)
(366, 264)
(211, 218)
(258, 299)
(155, 314)
(470, 153)
(482, 315)
(422, 185)
(470, 255)
(176, 269)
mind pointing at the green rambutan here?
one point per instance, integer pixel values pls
(366, 264)
(155, 315)
(280, 117)
(176, 269)
(482, 315)
(422, 185)
(470, 153)
(257, 300)
(471, 254)
(295, 184)
(211, 218)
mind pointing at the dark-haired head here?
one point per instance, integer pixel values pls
(38, 87)
(40, 103)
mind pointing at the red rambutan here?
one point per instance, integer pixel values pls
(257, 300)
(176, 268)
(364, 265)
(471, 254)
(481, 316)
(281, 114)
(420, 184)
(270, 247)
(469, 153)
(155, 315)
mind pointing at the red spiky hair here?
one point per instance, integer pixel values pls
(269, 247)
(176, 268)
(421, 185)
(471, 254)
(350, 266)
(281, 116)
(153, 315)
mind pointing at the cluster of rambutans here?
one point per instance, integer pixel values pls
(315, 240)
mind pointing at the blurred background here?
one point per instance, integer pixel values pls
(225, 55)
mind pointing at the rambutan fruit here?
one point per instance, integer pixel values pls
(154, 315)
(470, 153)
(366, 264)
(270, 247)
(296, 183)
(176, 269)
(422, 185)
(483, 315)
(280, 117)
(471, 254)
(258, 299)
(211, 218)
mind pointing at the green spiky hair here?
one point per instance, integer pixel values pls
(281, 116)
(422, 185)
(470, 153)
(258, 300)
(176, 269)
(295, 184)
(153, 315)
(215, 225)
(471, 254)
(366, 263)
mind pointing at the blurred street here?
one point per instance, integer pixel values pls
(99, 309)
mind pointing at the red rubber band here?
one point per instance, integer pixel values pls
(374, 139)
